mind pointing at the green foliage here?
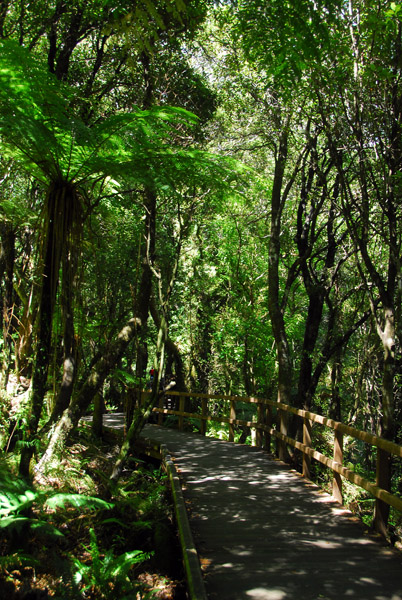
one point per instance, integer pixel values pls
(78, 501)
(107, 574)
(33, 110)
(16, 502)
(144, 23)
(36, 522)
(284, 38)
(24, 509)
(218, 430)
(326, 72)
(126, 377)
(17, 560)
(39, 132)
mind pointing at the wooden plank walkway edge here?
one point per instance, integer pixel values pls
(263, 533)
(192, 568)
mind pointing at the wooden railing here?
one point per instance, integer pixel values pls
(269, 423)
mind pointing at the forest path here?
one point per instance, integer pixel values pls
(264, 533)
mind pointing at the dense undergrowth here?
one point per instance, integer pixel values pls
(75, 537)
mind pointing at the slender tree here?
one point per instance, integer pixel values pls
(69, 157)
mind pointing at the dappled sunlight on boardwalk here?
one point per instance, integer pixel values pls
(265, 533)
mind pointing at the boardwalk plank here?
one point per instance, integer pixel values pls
(264, 533)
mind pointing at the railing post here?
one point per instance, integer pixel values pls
(268, 422)
(381, 510)
(253, 432)
(260, 421)
(338, 457)
(283, 428)
(232, 415)
(181, 410)
(204, 414)
(307, 427)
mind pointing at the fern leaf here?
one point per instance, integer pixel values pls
(77, 500)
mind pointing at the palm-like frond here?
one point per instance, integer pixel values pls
(38, 131)
(31, 106)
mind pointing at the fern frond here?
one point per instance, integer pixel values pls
(78, 501)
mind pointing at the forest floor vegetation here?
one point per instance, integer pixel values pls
(74, 536)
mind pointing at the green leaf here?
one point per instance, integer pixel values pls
(125, 561)
(46, 529)
(125, 376)
(77, 500)
(16, 522)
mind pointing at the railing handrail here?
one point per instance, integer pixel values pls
(264, 429)
(364, 436)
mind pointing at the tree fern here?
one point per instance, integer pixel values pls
(39, 130)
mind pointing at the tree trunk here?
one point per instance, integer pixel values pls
(359, 206)
(8, 256)
(86, 394)
(384, 462)
(70, 264)
(143, 298)
(335, 406)
(142, 413)
(50, 271)
(311, 330)
(172, 350)
(202, 351)
(23, 346)
(97, 419)
(63, 219)
(274, 304)
(388, 408)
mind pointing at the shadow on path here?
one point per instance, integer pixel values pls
(265, 533)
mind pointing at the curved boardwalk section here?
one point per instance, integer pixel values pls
(264, 533)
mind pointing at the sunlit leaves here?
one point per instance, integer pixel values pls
(143, 23)
(37, 130)
(145, 146)
(76, 500)
(283, 37)
(30, 106)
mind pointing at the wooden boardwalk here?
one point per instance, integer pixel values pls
(264, 533)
